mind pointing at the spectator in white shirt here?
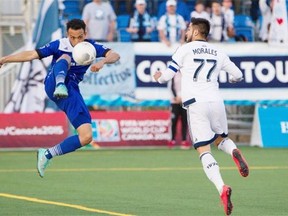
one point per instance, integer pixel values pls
(228, 12)
(199, 11)
(171, 26)
(100, 19)
(141, 23)
(218, 32)
(266, 8)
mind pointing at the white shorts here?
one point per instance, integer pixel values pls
(206, 121)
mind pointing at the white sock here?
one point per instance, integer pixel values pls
(60, 78)
(212, 171)
(227, 146)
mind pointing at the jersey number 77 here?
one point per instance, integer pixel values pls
(212, 63)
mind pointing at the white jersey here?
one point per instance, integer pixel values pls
(200, 64)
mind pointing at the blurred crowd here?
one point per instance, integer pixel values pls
(231, 20)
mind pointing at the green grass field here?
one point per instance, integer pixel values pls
(155, 182)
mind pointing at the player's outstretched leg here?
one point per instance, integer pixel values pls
(240, 162)
(42, 162)
(226, 199)
(229, 147)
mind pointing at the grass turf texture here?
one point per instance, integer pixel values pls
(141, 182)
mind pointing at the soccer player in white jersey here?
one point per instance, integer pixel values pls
(200, 64)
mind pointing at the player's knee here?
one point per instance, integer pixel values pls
(66, 57)
(86, 138)
(218, 140)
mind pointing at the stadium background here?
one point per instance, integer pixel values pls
(254, 108)
(141, 181)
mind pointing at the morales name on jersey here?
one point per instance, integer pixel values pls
(205, 51)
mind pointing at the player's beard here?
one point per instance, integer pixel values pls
(188, 38)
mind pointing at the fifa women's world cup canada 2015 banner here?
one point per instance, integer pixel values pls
(131, 128)
(109, 129)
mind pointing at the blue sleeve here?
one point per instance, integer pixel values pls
(101, 50)
(48, 50)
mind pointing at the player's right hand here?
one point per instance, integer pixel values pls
(157, 75)
(97, 66)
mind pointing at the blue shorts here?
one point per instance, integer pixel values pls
(74, 105)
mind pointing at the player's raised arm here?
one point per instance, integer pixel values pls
(168, 74)
(110, 57)
(19, 57)
(235, 74)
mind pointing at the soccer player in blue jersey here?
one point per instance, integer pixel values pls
(61, 86)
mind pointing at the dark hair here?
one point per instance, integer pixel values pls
(76, 24)
(216, 1)
(202, 25)
(200, 2)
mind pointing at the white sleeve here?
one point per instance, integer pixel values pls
(234, 72)
(166, 76)
(161, 24)
(264, 8)
(172, 68)
(132, 22)
(113, 16)
(182, 23)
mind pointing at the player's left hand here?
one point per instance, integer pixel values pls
(97, 66)
(233, 80)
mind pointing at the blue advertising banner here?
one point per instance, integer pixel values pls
(258, 71)
(261, 72)
(265, 71)
(273, 122)
(146, 65)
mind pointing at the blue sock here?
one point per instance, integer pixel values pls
(70, 144)
(60, 71)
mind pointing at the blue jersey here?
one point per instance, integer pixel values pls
(63, 46)
(73, 105)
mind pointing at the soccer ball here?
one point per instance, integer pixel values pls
(84, 53)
